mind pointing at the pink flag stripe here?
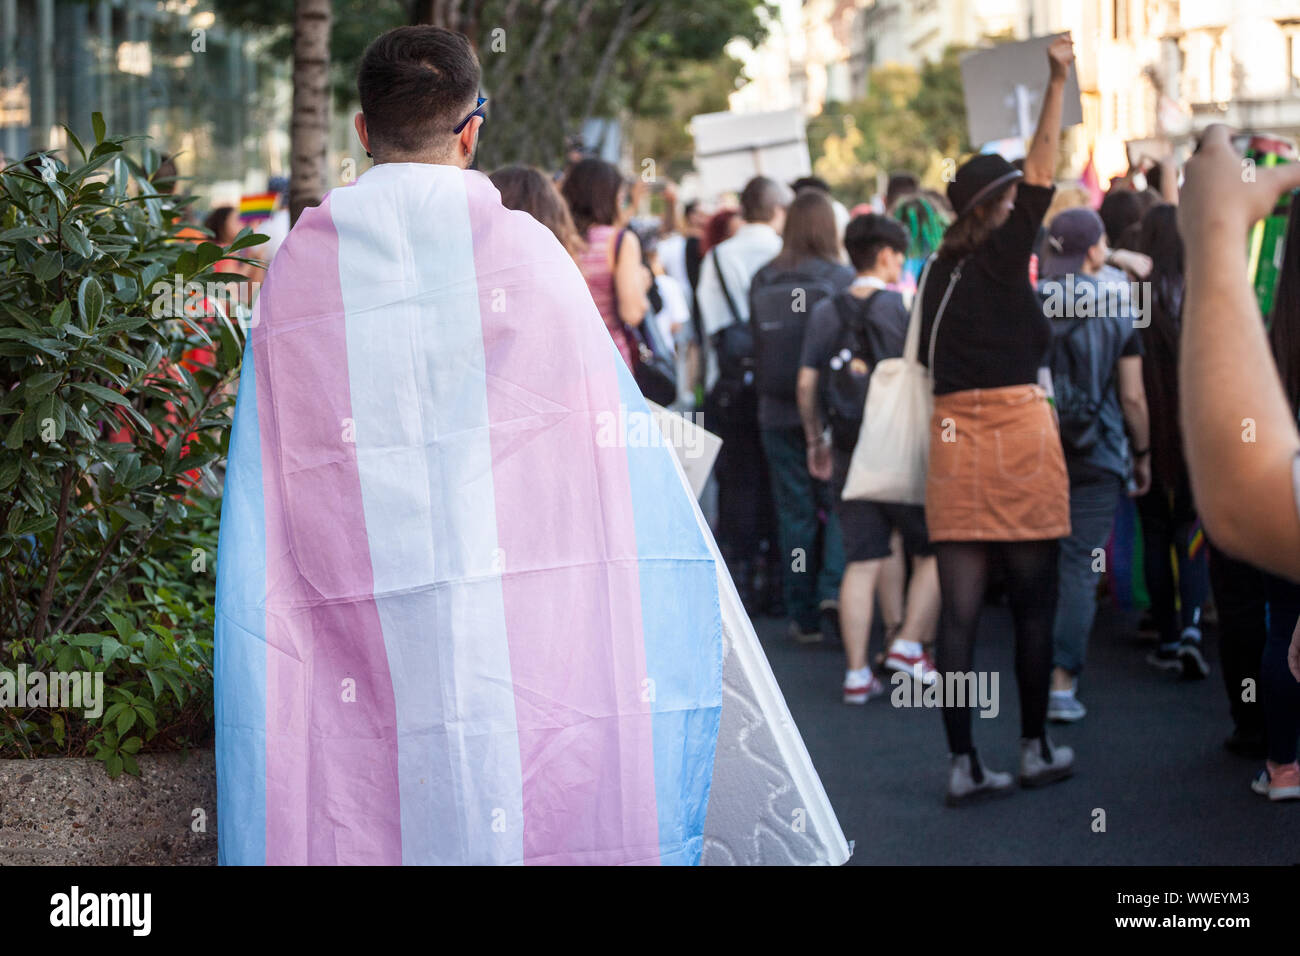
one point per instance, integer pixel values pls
(570, 584)
(331, 751)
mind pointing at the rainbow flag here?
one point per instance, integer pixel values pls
(1125, 559)
(452, 625)
(257, 206)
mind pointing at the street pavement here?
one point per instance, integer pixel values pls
(1149, 754)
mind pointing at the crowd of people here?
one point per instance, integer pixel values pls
(1051, 333)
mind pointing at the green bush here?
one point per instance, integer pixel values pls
(108, 547)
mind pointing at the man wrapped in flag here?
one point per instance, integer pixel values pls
(454, 626)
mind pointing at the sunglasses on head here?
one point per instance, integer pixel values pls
(477, 111)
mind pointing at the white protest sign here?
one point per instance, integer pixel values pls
(1004, 90)
(732, 148)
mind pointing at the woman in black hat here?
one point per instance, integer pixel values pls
(997, 485)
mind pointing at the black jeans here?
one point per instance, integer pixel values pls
(1243, 627)
(811, 552)
(745, 511)
(1168, 523)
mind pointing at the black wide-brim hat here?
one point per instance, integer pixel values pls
(979, 178)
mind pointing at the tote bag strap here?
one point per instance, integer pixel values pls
(912, 344)
(943, 304)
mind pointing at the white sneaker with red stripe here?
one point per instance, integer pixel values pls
(860, 686)
(910, 657)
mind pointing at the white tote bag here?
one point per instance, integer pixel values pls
(890, 459)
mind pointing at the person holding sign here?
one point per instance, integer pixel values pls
(997, 483)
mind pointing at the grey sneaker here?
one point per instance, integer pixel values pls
(1041, 763)
(1190, 656)
(801, 635)
(1064, 707)
(1166, 658)
(970, 780)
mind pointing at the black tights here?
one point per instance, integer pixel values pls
(1031, 583)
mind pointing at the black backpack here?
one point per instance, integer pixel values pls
(863, 341)
(1077, 408)
(779, 304)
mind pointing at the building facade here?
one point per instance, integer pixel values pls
(1152, 73)
(165, 69)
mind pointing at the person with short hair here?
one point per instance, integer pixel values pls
(848, 335)
(1100, 402)
(446, 577)
(745, 518)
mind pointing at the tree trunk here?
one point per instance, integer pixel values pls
(309, 126)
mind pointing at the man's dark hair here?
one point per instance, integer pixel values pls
(1120, 209)
(866, 235)
(415, 84)
(760, 199)
(900, 185)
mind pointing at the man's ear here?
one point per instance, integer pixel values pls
(359, 121)
(1098, 253)
(469, 139)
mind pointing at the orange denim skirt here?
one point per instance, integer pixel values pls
(997, 471)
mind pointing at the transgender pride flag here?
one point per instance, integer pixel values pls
(452, 627)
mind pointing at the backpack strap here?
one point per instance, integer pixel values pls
(853, 314)
(849, 318)
(731, 303)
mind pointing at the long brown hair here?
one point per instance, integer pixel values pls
(968, 232)
(592, 188)
(529, 189)
(809, 232)
(1158, 238)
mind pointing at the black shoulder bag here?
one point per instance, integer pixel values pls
(652, 362)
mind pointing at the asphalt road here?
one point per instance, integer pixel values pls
(1149, 754)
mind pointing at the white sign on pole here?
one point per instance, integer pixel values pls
(732, 148)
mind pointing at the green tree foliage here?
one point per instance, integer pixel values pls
(909, 120)
(548, 65)
(111, 426)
